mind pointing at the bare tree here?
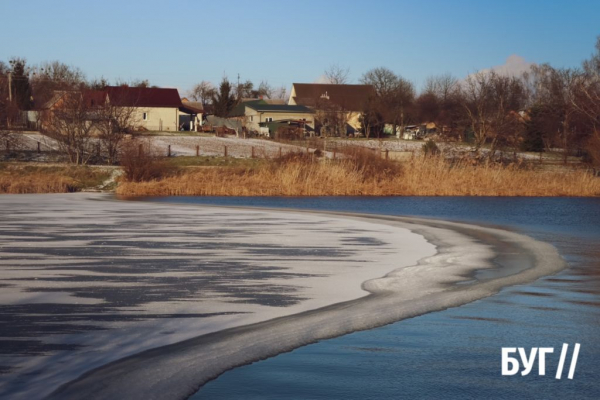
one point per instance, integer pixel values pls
(396, 95)
(371, 118)
(586, 99)
(554, 94)
(71, 123)
(139, 83)
(9, 139)
(203, 92)
(400, 103)
(490, 102)
(280, 93)
(266, 90)
(443, 86)
(49, 77)
(337, 75)
(447, 105)
(245, 90)
(383, 80)
(114, 122)
(98, 83)
(332, 117)
(9, 112)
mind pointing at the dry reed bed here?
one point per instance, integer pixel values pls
(35, 183)
(19, 179)
(432, 176)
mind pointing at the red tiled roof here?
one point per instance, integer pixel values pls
(126, 96)
(350, 97)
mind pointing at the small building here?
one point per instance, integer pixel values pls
(257, 115)
(156, 109)
(260, 117)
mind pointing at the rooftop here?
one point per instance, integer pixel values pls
(350, 97)
(126, 96)
(279, 108)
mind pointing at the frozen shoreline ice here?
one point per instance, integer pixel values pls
(87, 280)
(178, 370)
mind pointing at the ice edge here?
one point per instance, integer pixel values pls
(177, 371)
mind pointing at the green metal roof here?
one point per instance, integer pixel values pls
(240, 109)
(263, 107)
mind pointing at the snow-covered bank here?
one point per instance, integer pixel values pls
(176, 371)
(87, 280)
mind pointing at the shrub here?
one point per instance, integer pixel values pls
(369, 163)
(293, 157)
(592, 151)
(142, 162)
(430, 148)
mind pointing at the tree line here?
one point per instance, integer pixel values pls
(543, 109)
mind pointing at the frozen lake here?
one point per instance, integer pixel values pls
(87, 280)
(455, 353)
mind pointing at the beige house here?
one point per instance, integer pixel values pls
(156, 109)
(328, 100)
(152, 109)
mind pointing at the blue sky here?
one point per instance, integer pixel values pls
(176, 44)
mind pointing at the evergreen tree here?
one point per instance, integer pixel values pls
(533, 136)
(224, 100)
(20, 84)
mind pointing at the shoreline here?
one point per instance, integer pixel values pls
(179, 365)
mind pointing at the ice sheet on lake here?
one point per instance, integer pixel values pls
(86, 280)
(446, 279)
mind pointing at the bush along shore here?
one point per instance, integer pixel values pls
(359, 173)
(355, 172)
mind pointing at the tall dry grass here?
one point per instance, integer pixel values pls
(427, 176)
(36, 183)
(19, 179)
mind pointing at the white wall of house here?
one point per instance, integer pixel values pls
(157, 118)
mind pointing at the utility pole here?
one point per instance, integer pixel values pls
(9, 97)
(10, 86)
(238, 88)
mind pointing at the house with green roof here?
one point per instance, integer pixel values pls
(260, 114)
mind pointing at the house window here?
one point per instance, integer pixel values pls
(251, 118)
(269, 119)
(145, 116)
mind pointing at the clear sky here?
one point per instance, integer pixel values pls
(179, 43)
